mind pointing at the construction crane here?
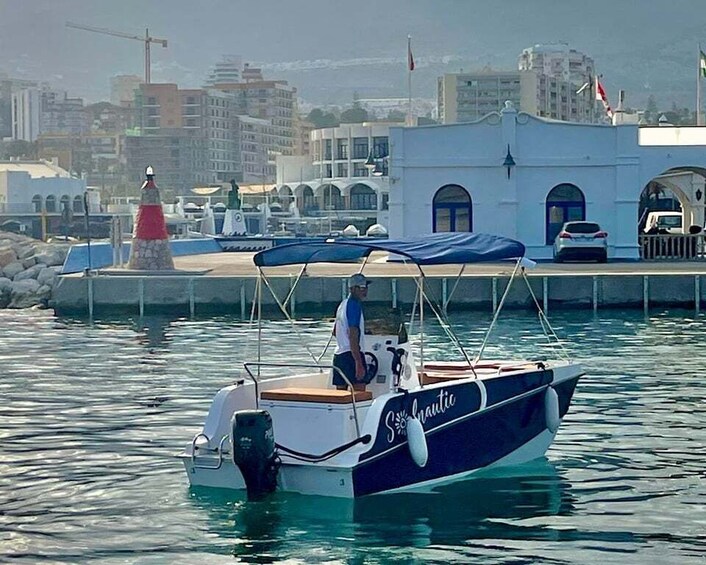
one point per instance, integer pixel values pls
(147, 39)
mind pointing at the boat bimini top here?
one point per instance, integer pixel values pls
(432, 249)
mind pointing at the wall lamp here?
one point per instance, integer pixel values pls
(509, 162)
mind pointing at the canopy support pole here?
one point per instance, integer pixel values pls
(446, 326)
(497, 312)
(544, 321)
(421, 325)
(258, 292)
(283, 308)
(453, 289)
(294, 286)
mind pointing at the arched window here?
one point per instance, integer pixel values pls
(78, 204)
(332, 199)
(37, 203)
(50, 203)
(65, 202)
(452, 209)
(285, 196)
(306, 202)
(565, 203)
(363, 197)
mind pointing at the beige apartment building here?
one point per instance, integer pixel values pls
(548, 83)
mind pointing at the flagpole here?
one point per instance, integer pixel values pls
(698, 87)
(409, 81)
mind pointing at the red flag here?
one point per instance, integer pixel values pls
(603, 97)
(410, 59)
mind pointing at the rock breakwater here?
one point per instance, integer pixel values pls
(29, 270)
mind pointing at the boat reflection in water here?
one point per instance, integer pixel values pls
(490, 506)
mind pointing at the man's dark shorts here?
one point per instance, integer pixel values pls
(346, 363)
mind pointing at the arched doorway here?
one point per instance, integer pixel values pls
(565, 203)
(680, 189)
(363, 197)
(452, 210)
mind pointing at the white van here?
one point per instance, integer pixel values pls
(671, 222)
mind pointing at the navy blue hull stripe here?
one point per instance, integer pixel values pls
(469, 444)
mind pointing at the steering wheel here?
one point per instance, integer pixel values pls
(371, 366)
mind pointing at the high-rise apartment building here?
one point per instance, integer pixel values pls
(558, 61)
(466, 97)
(222, 134)
(26, 114)
(8, 87)
(170, 136)
(271, 101)
(547, 84)
(37, 111)
(61, 114)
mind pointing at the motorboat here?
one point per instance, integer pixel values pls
(419, 423)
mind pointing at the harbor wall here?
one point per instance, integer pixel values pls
(207, 295)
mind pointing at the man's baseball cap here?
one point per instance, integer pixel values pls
(358, 280)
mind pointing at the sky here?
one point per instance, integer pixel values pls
(327, 48)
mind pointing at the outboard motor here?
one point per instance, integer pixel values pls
(254, 451)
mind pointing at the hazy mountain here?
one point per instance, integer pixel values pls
(329, 49)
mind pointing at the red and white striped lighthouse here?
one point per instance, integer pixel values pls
(150, 243)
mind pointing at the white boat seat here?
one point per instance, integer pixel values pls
(325, 395)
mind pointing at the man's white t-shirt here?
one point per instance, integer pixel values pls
(349, 315)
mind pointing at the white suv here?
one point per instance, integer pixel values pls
(581, 240)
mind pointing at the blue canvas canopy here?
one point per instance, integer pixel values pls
(432, 249)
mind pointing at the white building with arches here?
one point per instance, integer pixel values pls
(334, 182)
(28, 187)
(34, 197)
(521, 176)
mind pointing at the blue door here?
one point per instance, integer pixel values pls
(565, 203)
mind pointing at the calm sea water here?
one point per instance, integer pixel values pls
(93, 414)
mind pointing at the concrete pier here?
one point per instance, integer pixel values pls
(226, 283)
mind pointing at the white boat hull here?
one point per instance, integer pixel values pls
(469, 425)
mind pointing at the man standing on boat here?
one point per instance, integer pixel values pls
(349, 330)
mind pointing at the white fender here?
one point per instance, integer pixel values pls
(417, 441)
(551, 409)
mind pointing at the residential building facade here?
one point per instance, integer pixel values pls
(334, 181)
(551, 81)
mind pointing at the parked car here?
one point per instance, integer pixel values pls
(579, 241)
(664, 222)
